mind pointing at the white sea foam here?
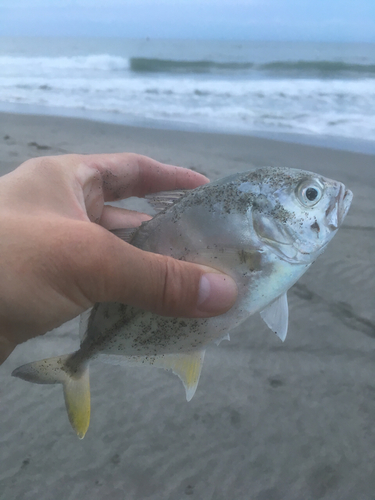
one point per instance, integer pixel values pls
(48, 65)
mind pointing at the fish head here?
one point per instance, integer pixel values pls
(296, 213)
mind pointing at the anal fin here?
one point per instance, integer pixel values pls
(226, 337)
(187, 366)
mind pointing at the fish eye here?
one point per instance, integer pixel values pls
(309, 193)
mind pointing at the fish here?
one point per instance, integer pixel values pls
(264, 228)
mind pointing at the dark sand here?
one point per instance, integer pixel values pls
(269, 421)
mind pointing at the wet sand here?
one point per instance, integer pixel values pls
(269, 421)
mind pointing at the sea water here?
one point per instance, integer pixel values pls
(313, 89)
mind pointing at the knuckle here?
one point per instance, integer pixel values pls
(179, 289)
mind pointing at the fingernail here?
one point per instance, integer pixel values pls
(217, 293)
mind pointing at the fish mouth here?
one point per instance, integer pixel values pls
(339, 207)
(344, 200)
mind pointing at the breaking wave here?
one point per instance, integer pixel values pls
(38, 65)
(110, 63)
(319, 69)
(143, 64)
(207, 89)
(328, 69)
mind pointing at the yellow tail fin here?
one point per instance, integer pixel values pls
(76, 386)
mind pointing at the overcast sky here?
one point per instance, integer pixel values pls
(317, 20)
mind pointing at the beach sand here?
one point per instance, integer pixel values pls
(269, 421)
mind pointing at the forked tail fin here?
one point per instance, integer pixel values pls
(76, 384)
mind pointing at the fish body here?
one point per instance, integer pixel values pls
(264, 228)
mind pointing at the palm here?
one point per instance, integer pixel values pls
(56, 263)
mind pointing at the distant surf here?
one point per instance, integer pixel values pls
(323, 69)
(311, 89)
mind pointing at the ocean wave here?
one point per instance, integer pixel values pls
(336, 107)
(35, 65)
(301, 68)
(314, 97)
(320, 69)
(189, 87)
(106, 63)
(151, 65)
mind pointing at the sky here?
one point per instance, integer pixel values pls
(312, 20)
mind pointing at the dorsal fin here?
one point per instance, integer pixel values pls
(125, 233)
(164, 199)
(275, 315)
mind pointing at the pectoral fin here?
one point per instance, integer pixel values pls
(276, 236)
(270, 229)
(275, 315)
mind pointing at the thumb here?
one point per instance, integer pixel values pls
(114, 271)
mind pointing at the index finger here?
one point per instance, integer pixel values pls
(127, 174)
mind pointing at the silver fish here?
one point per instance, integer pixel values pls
(264, 228)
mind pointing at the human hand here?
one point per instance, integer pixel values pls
(58, 258)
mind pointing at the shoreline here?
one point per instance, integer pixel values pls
(340, 143)
(25, 136)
